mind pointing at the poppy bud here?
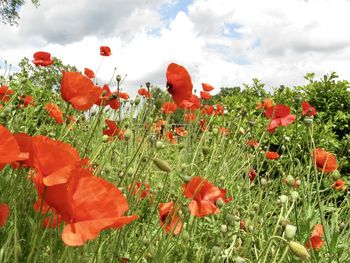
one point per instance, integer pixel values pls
(290, 180)
(128, 134)
(137, 100)
(308, 121)
(263, 182)
(215, 131)
(162, 165)
(335, 175)
(220, 202)
(185, 178)
(230, 219)
(299, 250)
(118, 78)
(104, 93)
(223, 229)
(205, 150)
(294, 195)
(290, 232)
(283, 199)
(148, 84)
(159, 145)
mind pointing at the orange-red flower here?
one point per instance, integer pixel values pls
(122, 95)
(224, 131)
(207, 87)
(193, 103)
(169, 136)
(141, 189)
(112, 129)
(55, 112)
(188, 117)
(105, 51)
(325, 161)
(205, 95)
(267, 104)
(279, 116)
(169, 219)
(202, 124)
(143, 92)
(107, 98)
(339, 185)
(207, 110)
(219, 110)
(79, 91)
(4, 214)
(308, 110)
(272, 155)
(169, 107)
(179, 83)
(26, 101)
(181, 131)
(252, 174)
(24, 142)
(253, 143)
(42, 58)
(5, 93)
(9, 149)
(315, 240)
(89, 73)
(203, 194)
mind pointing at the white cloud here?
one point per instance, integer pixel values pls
(222, 42)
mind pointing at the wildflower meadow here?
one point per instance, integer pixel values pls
(178, 173)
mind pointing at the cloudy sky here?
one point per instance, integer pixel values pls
(221, 42)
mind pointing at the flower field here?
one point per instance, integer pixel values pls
(90, 174)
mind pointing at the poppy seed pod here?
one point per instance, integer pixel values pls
(162, 165)
(308, 121)
(299, 250)
(128, 134)
(118, 78)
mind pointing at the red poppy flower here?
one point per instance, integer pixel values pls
(107, 98)
(268, 103)
(207, 110)
(112, 129)
(224, 131)
(308, 110)
(24, 142)
(188, 117)
(55, 112)
(42, 58)
(205, 95)
(105, 51)
(9, 149)
(5, 92)
(169, 107)
(202, 124)
(279, 116)
(27, 100)
(160, 124)
(219, 110)
(141, 189)
(169, 219)
(89, 73)
(207, 87)
(179, 83)
(181, 131)
(272, 155)
(79, 91)
(326, 162)
(339, 185)
(252, 174)
(203, 193)
(4, 214)
(143, 92)
(253, 143)
(122, 95)
(223, 196)
(316, 238)
(193, 103)
(169, 136)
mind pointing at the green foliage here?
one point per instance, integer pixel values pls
(9, 10)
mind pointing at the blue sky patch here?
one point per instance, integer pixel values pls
(230, 30)
(171, 10)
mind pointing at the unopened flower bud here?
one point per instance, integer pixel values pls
(128, 134)
(162, 165)
(299, 250)
(159, 145)
(308, 121)
(294, 195)
(290, 232)
(118, 78)
(105, 138)
(283, 199)
(290, 180)
(220, 202)
(223, 228)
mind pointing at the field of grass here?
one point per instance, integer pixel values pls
(88, 174)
